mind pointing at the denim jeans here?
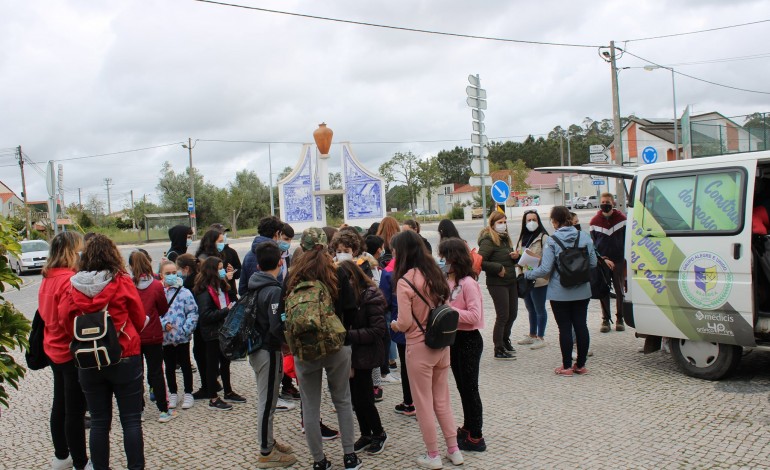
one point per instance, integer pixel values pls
(538, 315)
(124, 381)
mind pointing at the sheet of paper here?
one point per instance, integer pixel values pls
(528, 260)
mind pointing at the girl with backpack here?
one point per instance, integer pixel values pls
(569, 304)
(178, 326)
(213, 244)
(465, 353)
(187, 268)
(366, 335)
(68, 432)
(496, 250)
(211, 295)
(155, 305)
(533, 238)
(102, 283)
(416, 271)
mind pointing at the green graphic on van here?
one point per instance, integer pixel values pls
(705, 280)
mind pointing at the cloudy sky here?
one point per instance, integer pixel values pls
(80, 78)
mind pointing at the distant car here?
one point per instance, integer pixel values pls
(33, 256)
(587, 202)
(477, 213)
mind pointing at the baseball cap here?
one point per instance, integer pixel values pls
(311, 237)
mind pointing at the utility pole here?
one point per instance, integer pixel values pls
(108, 183)
(80, 201)
(569, 163)
(619, 184)
(24, 192)
(270, 179)
(563, 193)
(193, 220)
(133, 216)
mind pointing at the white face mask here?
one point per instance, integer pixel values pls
(532, 225)
(344, 256)
(501, 227)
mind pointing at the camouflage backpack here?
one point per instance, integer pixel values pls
(313, 329)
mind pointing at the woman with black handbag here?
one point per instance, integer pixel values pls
(68, 431)
(533, 238)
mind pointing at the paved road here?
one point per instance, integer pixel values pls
(630, 411)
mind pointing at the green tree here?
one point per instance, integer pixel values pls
(334, 204)
(243, 202)
(455, 165)
(403, 168)
(429, 176)
(398, 197)
(14, 327)
(174, 189)
(519, 175)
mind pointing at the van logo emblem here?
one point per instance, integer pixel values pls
(705, 280)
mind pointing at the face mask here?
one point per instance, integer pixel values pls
(182, 275)
(344, 256)
(532, 226)
(501, 227)
(188, 243)
(577, 227)
(220, 246)
(606, 208)
(284, 246)
(441, 263)
(222, 273)
(171, 279)
(446, 268)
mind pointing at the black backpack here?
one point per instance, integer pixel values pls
(95, 344)
(239, 336)
(441, 329)
(35, 355)
(573, 264)
(601, 279)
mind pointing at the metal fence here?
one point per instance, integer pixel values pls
(725, 135)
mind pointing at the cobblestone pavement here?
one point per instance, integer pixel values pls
(630, 411)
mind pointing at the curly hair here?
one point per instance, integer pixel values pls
(63, 252)
(101, 254)
(348, 238)
(209, 276)
(314, 265)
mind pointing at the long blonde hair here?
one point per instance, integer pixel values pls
(494, 217)
(64, 252)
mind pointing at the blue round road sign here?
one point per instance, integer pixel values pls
(500, 191)
(649, 155)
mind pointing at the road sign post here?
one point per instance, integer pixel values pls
(477, 99)
(598, 154)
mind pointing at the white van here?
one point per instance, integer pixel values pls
(691, 273)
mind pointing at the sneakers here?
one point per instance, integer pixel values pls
(378, 444)
(352, 462)
(166, 416)
(455, 457)
(64, 464)
(362, 444)
(188, 402)
(527, 340)
(377, 394)
(470, 444)
(289, 393)
(425, 461)
(390, 379)
(322, 465)
(563, 372)
(537, 343)
(605, 326)
(219, 405)
(233, 397)
(501, 353)
(508, 346)
(283, 447)
(200, 394)
(579, 370)
(276, 459)
(620, 325)
(327, 433)
(283, 405)
(404, 409)
(172, 400)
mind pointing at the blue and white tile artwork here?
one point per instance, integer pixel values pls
(363, 190)
(298, 194)
(318, 212)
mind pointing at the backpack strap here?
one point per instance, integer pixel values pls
(423, 299)
(171, 302)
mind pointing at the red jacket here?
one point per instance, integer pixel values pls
(91, 292)
(155, 306)
(56, 341)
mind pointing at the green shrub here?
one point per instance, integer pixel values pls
(456, 213)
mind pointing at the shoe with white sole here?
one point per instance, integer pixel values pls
(455, 457)
(166, 416)
(283, 405)
(390, 379)
(527, 340)
(63, 464)
(537, 343)
(188, 402)
(173, 398)
(425, 461)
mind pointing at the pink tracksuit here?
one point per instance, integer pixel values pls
(428, 368)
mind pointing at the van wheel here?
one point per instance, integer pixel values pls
(705, 360)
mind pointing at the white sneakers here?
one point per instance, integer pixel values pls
(390, 379)
(188, 402)
(424, 461)
(537, 343)
(65, 464)
(283, 405)
(172, 400)
(456, 457)
(527, 340)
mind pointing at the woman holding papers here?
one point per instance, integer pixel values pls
(529, 250)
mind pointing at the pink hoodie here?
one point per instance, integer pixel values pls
(465, 297)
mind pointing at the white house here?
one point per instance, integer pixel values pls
(11, 203)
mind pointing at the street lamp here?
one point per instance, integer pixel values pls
(193, 222)
(650, 68)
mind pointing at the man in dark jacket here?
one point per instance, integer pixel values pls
(267, 362)
(608, 231)
(269, 228)
(181, 239)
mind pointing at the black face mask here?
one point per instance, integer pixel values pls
(606, 208)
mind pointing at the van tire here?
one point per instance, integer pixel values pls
(705, 360)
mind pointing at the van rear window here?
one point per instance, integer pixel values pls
(706, 202)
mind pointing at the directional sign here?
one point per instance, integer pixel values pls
(479, 127)
(476, 180)
(474, 80)
(649, 155)
(599, 158)
(476, 103)
(474, 92)
(480, 151)
(500, 191)
(480, 166)
(596, 148)
(597, 182)
(190, 204)
(477, 115)
(479, 139)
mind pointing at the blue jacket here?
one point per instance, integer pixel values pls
(249, 265)
(386, 286)
(556, 291)
(182, 315)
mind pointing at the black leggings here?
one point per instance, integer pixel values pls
(68, 431)
(153, 356)
(465, 356)
(199, 353)
(506, 302)
(572, 314)
(216, 364)
(407, 392)
(363, 403)
(174, 354)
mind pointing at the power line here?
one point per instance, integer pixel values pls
(697, 32)
(116, 153)
(398, 28)
(726, 59)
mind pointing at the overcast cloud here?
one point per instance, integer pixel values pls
(91, 77)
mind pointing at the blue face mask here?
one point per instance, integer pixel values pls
(182, 275)
(284, 246)
(188, 242)
(220, 246)
(222, 273)
(441, 262)
(171, 279)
